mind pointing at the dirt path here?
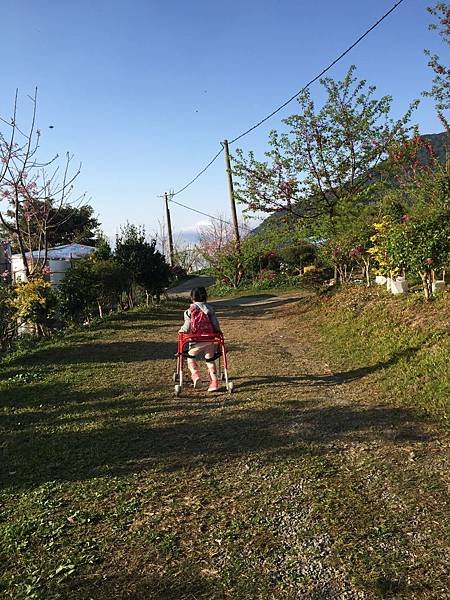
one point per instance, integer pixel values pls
(184, 288)
(387, 485)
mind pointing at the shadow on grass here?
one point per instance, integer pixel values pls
(136, 326)
(184, 433)
(95, 352)
(64, 433)
(251, 306)
(140, 317)
(180, 584)
(331, 379)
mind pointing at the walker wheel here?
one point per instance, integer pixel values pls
(177, 390)
(230, 387)
(175, 376)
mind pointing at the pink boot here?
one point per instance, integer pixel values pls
(195, 373)
(214, 386)
(214, 383)
(196, 380)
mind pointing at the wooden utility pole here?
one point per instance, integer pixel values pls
(169, 230)
(231, 194)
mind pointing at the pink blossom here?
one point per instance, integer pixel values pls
(357, 250)
(429, 261)
(46, 270)
(406, 218)
(336, 251)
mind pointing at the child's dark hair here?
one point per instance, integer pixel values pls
(198, 294)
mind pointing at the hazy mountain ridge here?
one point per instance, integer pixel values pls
(440, 144)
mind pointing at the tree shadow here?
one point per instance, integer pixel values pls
(136, 326)
(189, 434)
(329, 379)
(259, 308)
(243, 299)
(181, 584)
(94, 352)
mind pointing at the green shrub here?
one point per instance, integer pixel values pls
(7, 321)
(34, 303)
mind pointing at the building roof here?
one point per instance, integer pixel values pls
(67, 252)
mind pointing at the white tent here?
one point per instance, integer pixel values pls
(59, 260)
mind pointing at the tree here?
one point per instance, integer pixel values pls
(188, 257)
(110, 280)
(103, 250)
(218, 248)
(91, 285)
(328, 156)
(297, 256)
(421, 246)
(155, 273)
(440, 90)
(71, 225)
(34, 193)
(76, 292)
(146, 265)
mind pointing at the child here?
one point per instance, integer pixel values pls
(201, 318)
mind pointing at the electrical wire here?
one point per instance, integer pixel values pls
(198, 174)
(305, 87)
(277, 110)
(200, 212)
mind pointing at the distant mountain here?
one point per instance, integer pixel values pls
(440, 144)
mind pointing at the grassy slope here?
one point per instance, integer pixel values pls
(300, 486)
(402, 345)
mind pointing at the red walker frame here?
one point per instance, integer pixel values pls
(221, 355)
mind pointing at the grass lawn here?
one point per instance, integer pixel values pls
(306, 483)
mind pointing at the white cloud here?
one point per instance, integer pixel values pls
(195, 227)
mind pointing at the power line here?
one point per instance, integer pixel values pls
(198, 174)
(200, 212)
(336, 60)
(274, 112)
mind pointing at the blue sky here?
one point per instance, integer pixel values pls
(142, 92)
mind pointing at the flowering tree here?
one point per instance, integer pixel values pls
(187, 257)
(413, 234)
(33, 193)
(420, 246)
(217, 246)
(328, 156)
(440, 90)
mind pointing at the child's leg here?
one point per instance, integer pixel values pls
(212, 371)
(193, 365)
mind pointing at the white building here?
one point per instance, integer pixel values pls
(59, 260)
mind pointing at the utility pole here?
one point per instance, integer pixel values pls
(231, 194)
(169, 230)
